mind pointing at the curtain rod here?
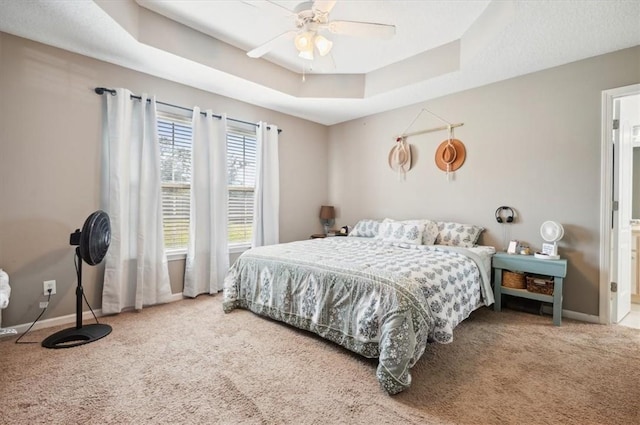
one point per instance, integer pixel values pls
(101, 90)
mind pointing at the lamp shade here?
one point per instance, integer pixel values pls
(304, 44)
(323, 45)
(303, 41)
(306, 54)
(327, 212)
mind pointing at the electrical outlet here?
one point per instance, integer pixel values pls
(44, 304)
(49, 284)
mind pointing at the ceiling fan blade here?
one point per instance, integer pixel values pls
(248, 3)
(362, 29)
(266, 47)
(275, 8)
(323, 6)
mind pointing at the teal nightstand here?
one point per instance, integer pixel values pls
(530, 264)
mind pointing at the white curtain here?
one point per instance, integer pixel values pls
(136, 271)
(208, 253)
(266, 207)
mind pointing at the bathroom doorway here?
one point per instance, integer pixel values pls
(618, 259)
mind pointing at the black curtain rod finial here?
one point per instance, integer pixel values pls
(101, 90)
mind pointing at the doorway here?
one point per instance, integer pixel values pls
(618, 259)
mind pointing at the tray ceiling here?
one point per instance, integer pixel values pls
(440, 47)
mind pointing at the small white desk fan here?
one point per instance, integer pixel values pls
(551, 232)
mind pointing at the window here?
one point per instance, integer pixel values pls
(241, 169)
(175, 138)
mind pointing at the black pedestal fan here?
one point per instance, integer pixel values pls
(92, 244)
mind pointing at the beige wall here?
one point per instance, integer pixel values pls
(532, 142)
(50, 134)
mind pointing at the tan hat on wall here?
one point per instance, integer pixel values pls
(400, 156)
(451, 153)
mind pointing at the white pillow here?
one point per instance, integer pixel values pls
(401, 232)
(457, 234)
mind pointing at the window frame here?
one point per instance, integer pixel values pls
(247, 130)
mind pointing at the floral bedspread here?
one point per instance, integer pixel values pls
(375, 298)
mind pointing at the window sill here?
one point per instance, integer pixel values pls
(176, 254)
(181, 254)
(238, 248)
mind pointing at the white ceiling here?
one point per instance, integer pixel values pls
(421, 26)
(440, 47)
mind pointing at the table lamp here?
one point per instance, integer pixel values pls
(327, 214)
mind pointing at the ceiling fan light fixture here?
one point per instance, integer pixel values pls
(323, 45)
(312, 16)
(303, 41)
(307, 54)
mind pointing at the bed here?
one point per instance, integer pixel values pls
(377, 297)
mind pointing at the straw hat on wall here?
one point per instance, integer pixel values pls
(450, 155)
(400, 156)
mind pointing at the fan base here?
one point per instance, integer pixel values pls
(544, 256)
(72, 337)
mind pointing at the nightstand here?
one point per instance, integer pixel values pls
(530, 264)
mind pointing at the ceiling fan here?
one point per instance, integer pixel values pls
(311, 18)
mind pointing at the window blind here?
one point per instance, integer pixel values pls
(175, 140)
(241, 169)
(175, 137)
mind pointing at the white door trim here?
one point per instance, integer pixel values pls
(606, 195)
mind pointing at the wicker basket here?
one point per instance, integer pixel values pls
(540, 284)
(515, 280)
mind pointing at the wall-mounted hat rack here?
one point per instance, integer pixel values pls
(448, 125)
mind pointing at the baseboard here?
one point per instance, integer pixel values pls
(56, 321)
(574, 315)
(176, 297)
(70, 318)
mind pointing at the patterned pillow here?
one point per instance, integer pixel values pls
(430, 233)
(366, 228)
(401, 232)
(456, 234)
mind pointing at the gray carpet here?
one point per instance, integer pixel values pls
(188, 362)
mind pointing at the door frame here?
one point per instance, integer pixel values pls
(606, 195)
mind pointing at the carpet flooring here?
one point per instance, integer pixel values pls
(189, 363)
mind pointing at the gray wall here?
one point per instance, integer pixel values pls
(533, 143)
(50, 135)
